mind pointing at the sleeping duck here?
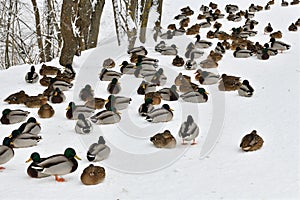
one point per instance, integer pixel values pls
(48, 70)
(251, 142)
(181, 78)
(24, 140)
(16, 98)
(6, 152)
(163, 114)
(92, 175)
(32, 76)
(199, 96)
(83, 125)
(146, 107)
(141, 50)
(242, 53)
(13, 116)
(58, 164)
(118, 102)
(108, 75)
(74, 110)
(178, 61)
(169, 94)
(229, 83)
(98, 151)
(155, 96)
(86, 93)
(108, 63)
(278, 45)
(114, 86)
(208, 63)
(164, 140)
(95, 103)
(110, 116)
(146, 87)
(245, 89)
(46, 111)
(206, 78)
(189, 130)
(31, 126)
(57, 97)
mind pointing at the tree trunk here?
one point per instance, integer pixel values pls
(131, 34)
(38, 31)
(95, 24)
(157, 27)
(54, 21)
(144, 22)
(117, 20)
(49, 32)
(7, 60)
(70, 43)
(83, 23)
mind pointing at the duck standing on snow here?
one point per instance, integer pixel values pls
(6, 152)
(24, 140)
(164, 140)
(114, 86)
(13, 116)
(58, 165)
(86, 93)
(92, 175)
(146, 107)
(74, 110)
(163, 114)
(83, 125)
(169, 94)
(46, 111)
(189, 130)
(31, 126)
(251, 142)
(110, 116)
(245, 89)
(32, 76)
(98, 151)
(117, 102)
(278, 45)
(199, 96)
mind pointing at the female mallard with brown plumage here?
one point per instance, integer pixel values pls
(164, 140)
(251, 142)
(92, 175)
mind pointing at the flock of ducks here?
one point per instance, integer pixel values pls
(146, 68)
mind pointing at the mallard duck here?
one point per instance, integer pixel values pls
(127, 68)
(163, 114)
(110, 116)
(297, 23)
(108, 63)
(31, 169)
(31, 126)
(251, 142)
(213, 5)
(146, 107)
(179, 31)
(48, 70)
(57, 96)
(193, 53)
(157, 78)
(92, 175)
(202, 44)
(160, 46)
(284, 3)
(167, 35)
(114, 86)
(57, 165)
(206, 78)
(141, 50)
(169, 50)
(178, 61)
(226, 44)
(98, 151)
(117, 102)
(95, 103)
(141, 72)
(180, 78)
(275, 44)
(295, 2)
(292, 27)
(234, 17)
(13, 116)
(268, 28)
(171, 27)
(146, 87)
(108, 75)
(68, 72)
(189, 130)
(229, 83)
(267, 6)
(199, 96)
(46, 111)
(35, 101)
(23, 140)
(62, 85)
(184, 22)
(6, 152)
(143, 59)
(83, 125)
(164, 140)
(242, 53)
(155, 96)
(16, 98)
(277, 35)
(187, 86)
(208, 63)
(245, 89)
(32, 76)
(271, 2)
(215, 56)
(45, 81)
(190, 64)
(74, 110)
(204, 8)
(231, 8)
(219, 48)
(169, 94)
(263, 54)
(86, 93)
(65, 76)
(249, 15)
(201, 16)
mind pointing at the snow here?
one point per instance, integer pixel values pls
(135, 168)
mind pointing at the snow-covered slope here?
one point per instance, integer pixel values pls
(135, 168)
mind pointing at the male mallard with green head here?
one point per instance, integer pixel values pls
(146, 107)
(31, 126)
(13, 116)
(98, 151)
(24, 140)
(114, 86)
(6, 152)
(199, 96)
(109, 116)
(74, 110)
(163, 114)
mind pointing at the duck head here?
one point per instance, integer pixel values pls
(35, 157)
(70, 153)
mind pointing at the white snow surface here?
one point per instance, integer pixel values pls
(135, 168)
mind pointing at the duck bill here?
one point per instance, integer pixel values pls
(206, 92)
(171, 109)
(68, 108)
(106, 100)
(77, 157)
(29, 160)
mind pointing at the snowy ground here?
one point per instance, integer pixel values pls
(225, 173)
